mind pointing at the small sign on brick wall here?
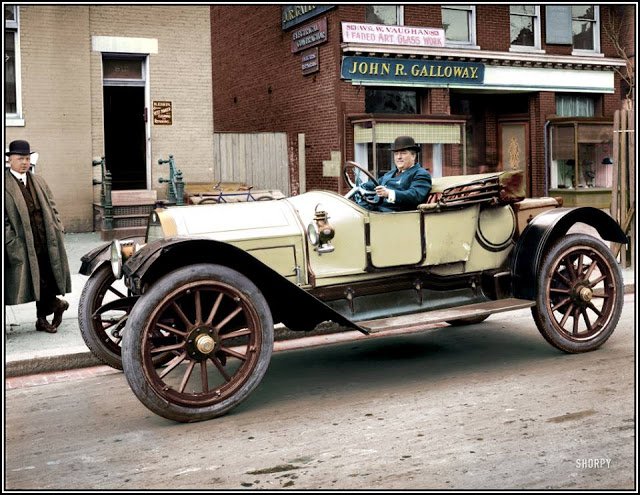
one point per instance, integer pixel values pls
(310, 61)
(162, 113)
(309, 35)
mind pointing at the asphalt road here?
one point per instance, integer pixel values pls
(488, 406)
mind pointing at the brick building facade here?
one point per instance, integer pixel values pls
(537, 84)
(68, 60)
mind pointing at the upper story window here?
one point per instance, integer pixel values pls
(12, 88)
(585, 23)
(525, 27)
(392, 15)
(459, 23)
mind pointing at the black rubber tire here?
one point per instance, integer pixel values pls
(467, 321)
(557, 285)
(91, 297)
(148, 384)
(264, 198)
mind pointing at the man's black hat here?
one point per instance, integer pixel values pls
(405, 143)
(19, 147)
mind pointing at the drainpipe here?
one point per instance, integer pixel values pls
(546, 160)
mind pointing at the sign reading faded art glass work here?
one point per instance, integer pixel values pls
(425, 72)
(353, 32)
(292, 15)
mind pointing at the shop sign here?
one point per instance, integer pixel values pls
(310, 61)
(292, 15)
(426, 72)
(309, 35)
(353, 32)
(162, 113)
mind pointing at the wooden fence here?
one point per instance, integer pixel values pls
(623, 202)
(255, 159)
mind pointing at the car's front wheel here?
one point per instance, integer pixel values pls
(580, 294)
(219, 328)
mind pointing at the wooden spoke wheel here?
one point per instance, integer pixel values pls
(219, 331)
(580, 294)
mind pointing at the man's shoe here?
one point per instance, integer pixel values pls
(42, 325)
(57, 315)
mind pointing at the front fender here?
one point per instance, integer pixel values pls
(289, 304)
(93, 259)
(543, 231)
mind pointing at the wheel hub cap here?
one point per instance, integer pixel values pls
(586, 294)
(205, 343)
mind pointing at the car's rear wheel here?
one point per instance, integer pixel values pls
(580, 294)
(220, 332)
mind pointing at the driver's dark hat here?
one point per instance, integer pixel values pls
(405, 143)
(19, 147)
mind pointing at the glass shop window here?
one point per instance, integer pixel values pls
(575, 106)
(390, 101)
(392, 15)
(585, 164)
(441, 146)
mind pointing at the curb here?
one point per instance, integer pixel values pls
(285, 339)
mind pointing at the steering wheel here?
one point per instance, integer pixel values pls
(357, 191)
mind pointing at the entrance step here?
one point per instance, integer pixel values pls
(449, 314)
(131, 209)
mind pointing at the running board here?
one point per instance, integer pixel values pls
(449, 314)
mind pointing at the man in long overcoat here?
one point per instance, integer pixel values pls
(35, 260)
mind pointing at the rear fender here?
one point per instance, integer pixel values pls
(543, 230)
(289, 304)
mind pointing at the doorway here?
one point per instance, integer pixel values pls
(124, 136)
(513, 148)
(125, 126)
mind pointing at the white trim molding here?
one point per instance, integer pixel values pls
(116, 44)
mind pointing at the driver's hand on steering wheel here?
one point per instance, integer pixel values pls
(382, 192)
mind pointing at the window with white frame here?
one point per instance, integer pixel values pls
(13, 104)
(392, 15)
(585, 23)
(459, 23)
(525, 27)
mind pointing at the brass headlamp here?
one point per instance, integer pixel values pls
(320, 231)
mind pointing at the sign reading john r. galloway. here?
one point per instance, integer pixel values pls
(412, 71)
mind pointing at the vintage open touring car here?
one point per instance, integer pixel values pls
(189, 313)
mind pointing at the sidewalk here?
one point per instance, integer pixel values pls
(28, 351)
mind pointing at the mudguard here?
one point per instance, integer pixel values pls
(543, 231)
(94, 258)
(289, 304)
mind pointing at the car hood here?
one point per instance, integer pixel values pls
(232, 221)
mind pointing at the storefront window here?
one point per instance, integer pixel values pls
(459, 23)
(583, 165)
(384, 14)
(390, 101)
(575, 106)
(441, 145)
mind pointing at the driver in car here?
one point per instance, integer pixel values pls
(404, 187)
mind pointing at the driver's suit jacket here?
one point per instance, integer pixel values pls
(411, 186)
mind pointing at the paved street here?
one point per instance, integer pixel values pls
(489, 406)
